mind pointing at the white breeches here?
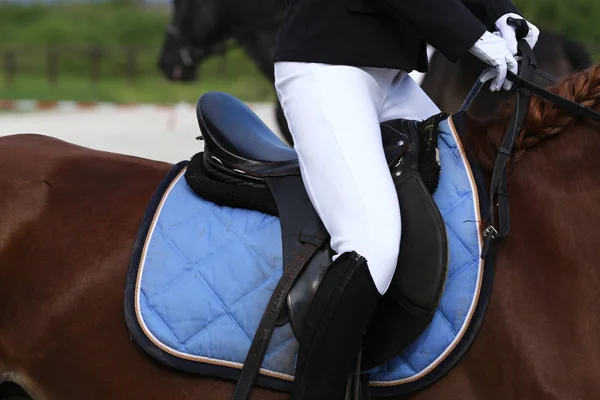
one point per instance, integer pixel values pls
(333, 114)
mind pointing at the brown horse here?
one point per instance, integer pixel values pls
(69, 216)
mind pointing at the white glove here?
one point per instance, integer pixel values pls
(508, 33)
(493, 50)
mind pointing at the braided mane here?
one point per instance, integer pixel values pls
(544, 119)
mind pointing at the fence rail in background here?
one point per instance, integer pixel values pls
(96, 56)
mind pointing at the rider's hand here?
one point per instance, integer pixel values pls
(494, 51)
(507, 32)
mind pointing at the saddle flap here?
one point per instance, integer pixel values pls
(409, 305)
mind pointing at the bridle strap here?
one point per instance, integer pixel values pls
(546, 76)
(571, 106)
(175, 28)
(179, 18)
(499, 225)
(474, 91)
(512, 77)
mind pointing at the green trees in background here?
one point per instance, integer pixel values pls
(74, 30)
(31, 29)
(578, 19)
(117, 24)
(84, 24)
(122, 23)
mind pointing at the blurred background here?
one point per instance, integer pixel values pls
(107, 51)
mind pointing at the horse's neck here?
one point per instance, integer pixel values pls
(259, 47)
(555, 221)
(255, 26)
(483, 137)
(543, 310)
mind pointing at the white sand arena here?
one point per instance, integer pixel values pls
(149, 132)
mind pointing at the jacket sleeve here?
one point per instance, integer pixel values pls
(488, 11)
(447, 25)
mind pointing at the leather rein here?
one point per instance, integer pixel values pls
(499, 223)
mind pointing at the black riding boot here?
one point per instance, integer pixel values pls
(333, 330)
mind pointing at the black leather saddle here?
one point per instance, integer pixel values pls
(244, 164)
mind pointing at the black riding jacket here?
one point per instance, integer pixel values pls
(384, 33)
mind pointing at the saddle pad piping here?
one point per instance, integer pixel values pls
(171, 354)
(462, 347)
(471, 311)
(138, 312)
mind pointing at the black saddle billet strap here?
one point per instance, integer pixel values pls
(266, 327)
(298, 217)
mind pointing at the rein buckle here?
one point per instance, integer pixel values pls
(490, 234)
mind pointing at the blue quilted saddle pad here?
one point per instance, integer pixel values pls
(202, 275)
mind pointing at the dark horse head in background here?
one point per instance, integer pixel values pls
(193, 34)
(200, 24)
(448, 84)
(198, 28)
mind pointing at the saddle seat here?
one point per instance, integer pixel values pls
(240, 150)
(236, 133)
(233, 127)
